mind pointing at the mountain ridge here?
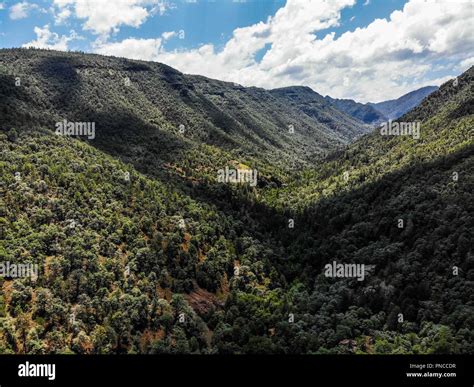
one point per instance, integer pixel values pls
(251, 121)
(364, 112)
(395, 108)
(377, 113)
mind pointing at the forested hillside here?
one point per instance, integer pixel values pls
(317, 107)
(162, 113)
(363, 112)
(142, 250)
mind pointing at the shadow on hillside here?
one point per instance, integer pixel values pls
(12, 114)
(60, 73)
(329, 217)
(124, 135)
(119, 132)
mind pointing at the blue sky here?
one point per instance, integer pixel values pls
(337, 47)
(204, 21)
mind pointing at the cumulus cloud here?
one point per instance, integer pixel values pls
(103, 17)
(238, 54)
(466, 64)
(144, 49)
(384, 60)
(168, 35)
(381, 61)
(50, 40)
(61, 15)
(21, 10)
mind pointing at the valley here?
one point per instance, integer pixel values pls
(176, 258)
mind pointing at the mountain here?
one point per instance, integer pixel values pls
(404, 208)
(147, 103)
(377, 113)
(315, 106)
(445, 119)
(363, 112)
(142, 249)
(395, 108)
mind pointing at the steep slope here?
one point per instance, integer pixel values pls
(445, 119)
(125, 249)
(315, 106)
(111, 267)
(404, 208)
(120, 256)
(363, 112)
(396, 108)
(153, 113)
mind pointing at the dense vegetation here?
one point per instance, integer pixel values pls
(364, 112)
(318, 108)
(141, 250)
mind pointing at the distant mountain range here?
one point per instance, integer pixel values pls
(376, 113)
(396, 108)
(363, 112)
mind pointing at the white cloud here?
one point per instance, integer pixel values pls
(289, 28)
(381, 61)
(62, 15)
(466, 64)
(2, 6)
(145, 49)
(161, 7)
(103, 17)
(168, 35)
(384, 60)
(21, 10)
(50, 40)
